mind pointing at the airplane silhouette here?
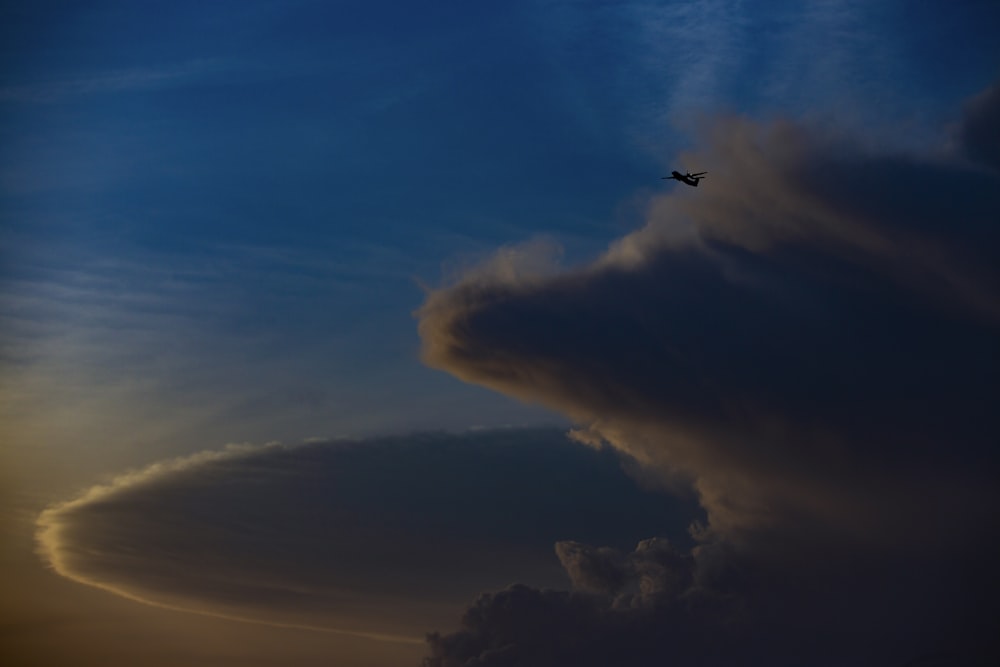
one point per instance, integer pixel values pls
(689, 178)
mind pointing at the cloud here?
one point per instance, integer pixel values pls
(641, 608)
(660, 606)
(135, 79)
(809, 343)
(656, 568)
(979, 132)
(376, 538)
(767, 334)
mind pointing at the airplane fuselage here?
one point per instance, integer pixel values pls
(685, 178)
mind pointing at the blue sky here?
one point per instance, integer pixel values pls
(234, 203)
(217, 219)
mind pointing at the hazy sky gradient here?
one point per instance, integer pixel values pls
(217, 221)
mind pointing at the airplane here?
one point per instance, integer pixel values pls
(690, 179)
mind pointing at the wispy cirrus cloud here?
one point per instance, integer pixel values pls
(115, 81)
(130, 352)
(647, 65)
(655, 70)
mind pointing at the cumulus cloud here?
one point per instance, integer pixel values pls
(713, 605)
(646, 607)
(809, 343)
(656, 568)
(377, 537)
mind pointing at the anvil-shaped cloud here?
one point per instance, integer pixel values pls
(809, 341)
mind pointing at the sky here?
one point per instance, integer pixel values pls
(368, 333)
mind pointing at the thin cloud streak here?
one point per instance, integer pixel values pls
(129, 80)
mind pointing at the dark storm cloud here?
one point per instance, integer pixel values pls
(646, 607)
(787, 327)
(979, 132)
(809, 341)
(715, 606)
(655, 568)
(378, 536)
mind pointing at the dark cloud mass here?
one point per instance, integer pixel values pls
(809, 341)
(979, 132)
(382, 536)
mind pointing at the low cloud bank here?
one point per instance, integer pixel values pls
(377, 537)
(809, 343)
